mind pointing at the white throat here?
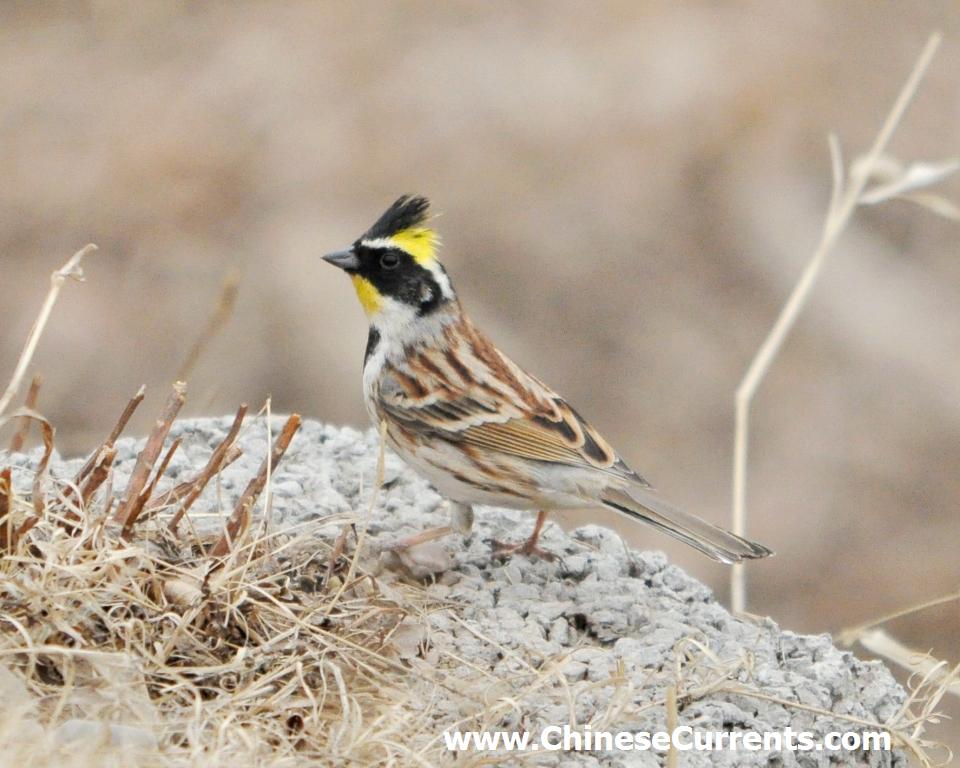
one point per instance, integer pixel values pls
(400, 326)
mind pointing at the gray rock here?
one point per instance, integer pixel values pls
(601, 622)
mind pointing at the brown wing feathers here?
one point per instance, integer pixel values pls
(489, 402)
(470, 394)
(565, 438)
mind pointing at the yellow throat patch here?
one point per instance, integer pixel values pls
(419, 242)
(369, 296)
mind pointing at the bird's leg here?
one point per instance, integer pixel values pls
(461, 518)
(530, 547)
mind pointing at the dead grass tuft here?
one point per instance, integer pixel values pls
(250, 646)
(124, 642)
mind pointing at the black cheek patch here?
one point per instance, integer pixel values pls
(408, 282)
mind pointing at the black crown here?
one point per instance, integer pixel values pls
(407, 212)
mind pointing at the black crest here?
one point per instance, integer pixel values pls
(405, 213)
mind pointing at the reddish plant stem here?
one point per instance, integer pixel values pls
(240, 519)
(30, 402)
(127, 511)
(223, 455)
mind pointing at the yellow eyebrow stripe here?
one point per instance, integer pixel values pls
(419, 242)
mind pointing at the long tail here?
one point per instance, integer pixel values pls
(642, 504)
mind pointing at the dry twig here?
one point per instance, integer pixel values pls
(223, 455)
(847, 195)
(215, 323)
(96, 458)
(98, 476)
(129, 509)
(240, 519)
(40, 478)
(71, 270)
(147, 492)
(8, 534)
(30, 403)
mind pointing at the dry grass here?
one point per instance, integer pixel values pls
(123, 642)
(236, 646)
(892, 180)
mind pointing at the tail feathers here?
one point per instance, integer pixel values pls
(642, 504)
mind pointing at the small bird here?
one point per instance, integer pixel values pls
(470, 420)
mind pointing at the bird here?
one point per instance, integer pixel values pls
(471, 421)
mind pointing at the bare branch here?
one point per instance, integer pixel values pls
(30, 402)
(222, 456)
(240, 519)
(69, 270)
(841, 210)
(149, 455)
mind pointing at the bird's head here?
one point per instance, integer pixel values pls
(394, 265)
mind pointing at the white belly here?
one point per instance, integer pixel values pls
(548, 487)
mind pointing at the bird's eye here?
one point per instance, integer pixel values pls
(389, 260)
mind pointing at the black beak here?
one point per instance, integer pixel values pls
(345, 259)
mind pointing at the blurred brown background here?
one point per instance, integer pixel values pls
(629, 190)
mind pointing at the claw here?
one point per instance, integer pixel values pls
(530, 547)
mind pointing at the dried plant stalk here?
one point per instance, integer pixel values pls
(128, 411)
(224, 309)
(39, 479)
(98, 476)
(135, 512)
(843, 204)
(223, 455)
(851, 635)
(673, 719)
(131, 505)
(97, 456)
(193, 487)
(71, 269)
(8, 534)
(96, 469)
(879, 642)
(30, 402)
(240, 519)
